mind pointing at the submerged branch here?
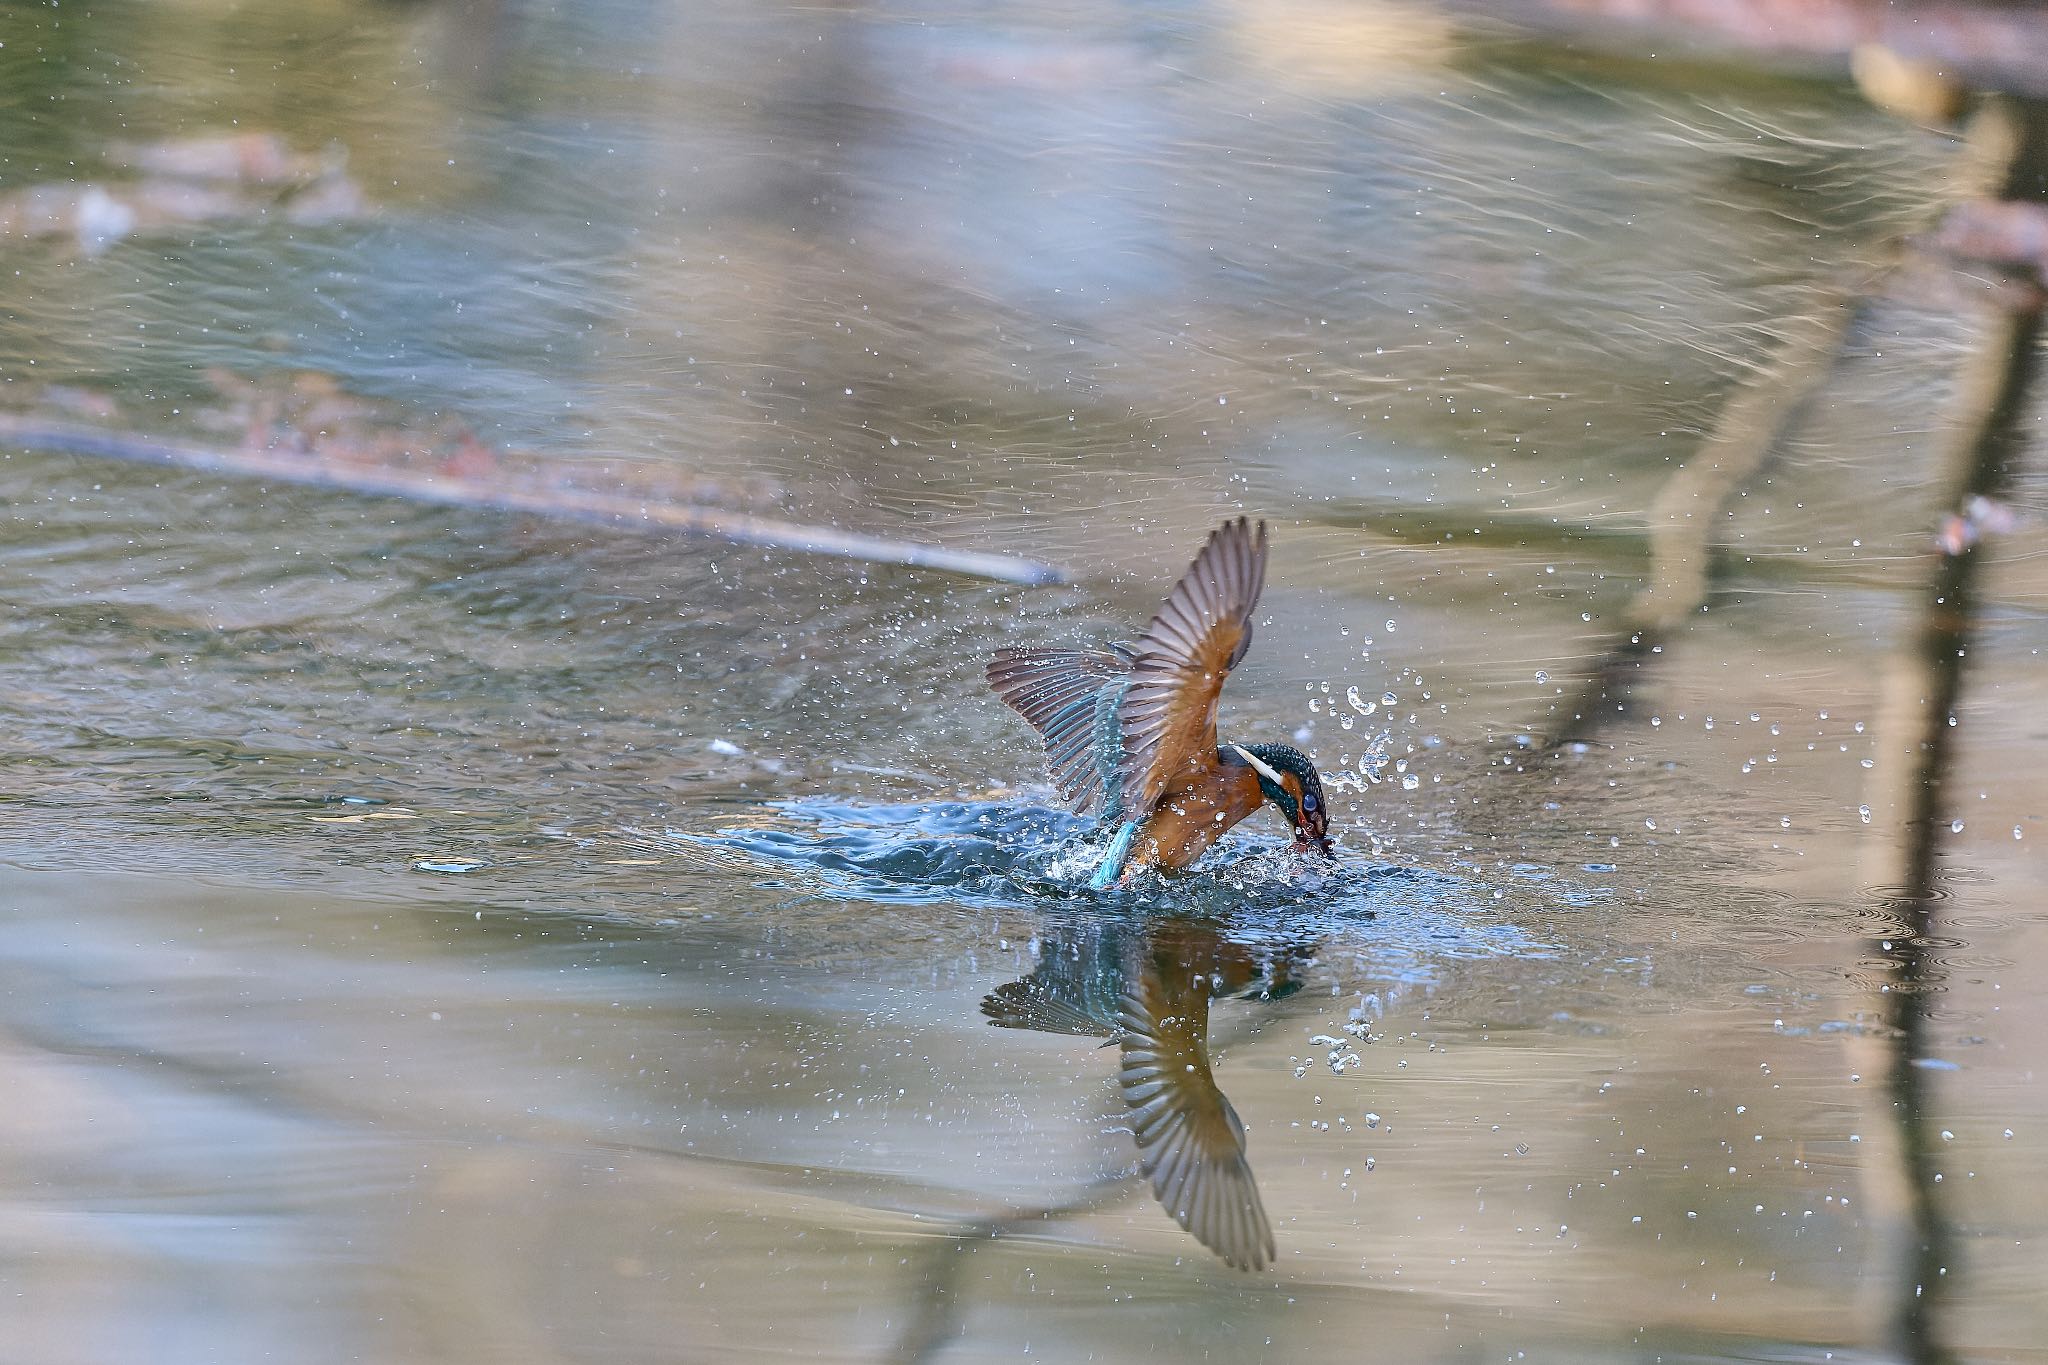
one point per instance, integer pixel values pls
(562, 503)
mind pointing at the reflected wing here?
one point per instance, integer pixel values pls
(1168, 715)
(1056, 690)
(1034, 1004)
(1190, 1140)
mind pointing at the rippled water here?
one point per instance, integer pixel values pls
(442, 935)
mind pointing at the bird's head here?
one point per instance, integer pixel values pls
(1289, 781)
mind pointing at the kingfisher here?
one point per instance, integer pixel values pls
(1130, 730)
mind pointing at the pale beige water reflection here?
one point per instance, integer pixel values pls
(1070, 284)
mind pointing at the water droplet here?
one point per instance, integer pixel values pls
(1955, 827)
(1389, 699)
(1864, 813)
(1541, 676)
(1649, 824)
(1410, 782)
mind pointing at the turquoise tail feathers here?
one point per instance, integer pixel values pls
(1113, 861)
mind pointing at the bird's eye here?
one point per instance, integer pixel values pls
(1309, 802)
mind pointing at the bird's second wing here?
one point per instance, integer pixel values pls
(1168, 715)
(1056, 690)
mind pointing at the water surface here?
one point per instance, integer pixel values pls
(437, 935)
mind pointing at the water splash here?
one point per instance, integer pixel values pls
(991, 855)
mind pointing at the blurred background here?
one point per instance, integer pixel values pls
(449, 920)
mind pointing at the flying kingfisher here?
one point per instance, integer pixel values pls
(1131, 729)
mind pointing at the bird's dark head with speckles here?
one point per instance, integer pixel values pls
(1290, 782)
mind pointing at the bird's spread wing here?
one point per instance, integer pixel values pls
(1056, 690)
(1168, 715)
(1190, 1140)
(1036, 1004)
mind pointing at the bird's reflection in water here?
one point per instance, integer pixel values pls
(1145, 985)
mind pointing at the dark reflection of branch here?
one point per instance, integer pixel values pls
(1682, 517)
(935, 1304)
(1145, 985)
(1756, 419)
(1921, 693)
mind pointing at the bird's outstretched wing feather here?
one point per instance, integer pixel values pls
(1168, 714)
(1056, 690)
